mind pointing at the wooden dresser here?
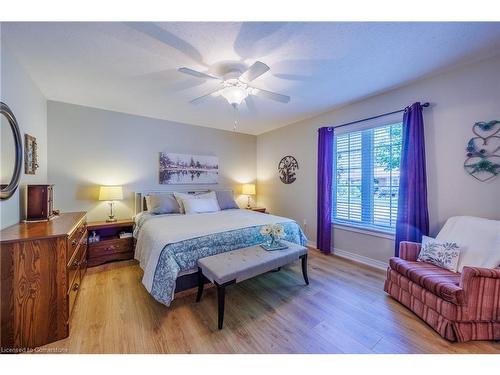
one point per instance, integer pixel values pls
(42, 266)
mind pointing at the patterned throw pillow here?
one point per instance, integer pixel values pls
(441, 254)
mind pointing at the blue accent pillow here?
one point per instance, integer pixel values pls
(226, 199)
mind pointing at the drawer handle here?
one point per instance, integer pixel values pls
(76, 264)
(76, 286)
(74, 242)
(109, 248)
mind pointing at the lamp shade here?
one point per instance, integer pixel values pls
(110, 193)
(248, 189)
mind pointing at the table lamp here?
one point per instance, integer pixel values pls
(111, 194)
(248, 189)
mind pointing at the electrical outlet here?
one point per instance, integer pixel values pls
(304, 222)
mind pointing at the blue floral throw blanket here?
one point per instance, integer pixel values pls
(168, 245)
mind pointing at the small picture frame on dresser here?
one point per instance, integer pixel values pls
(106, 242)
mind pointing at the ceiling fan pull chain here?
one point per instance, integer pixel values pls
(235, 107)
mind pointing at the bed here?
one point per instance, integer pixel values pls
(169, 245)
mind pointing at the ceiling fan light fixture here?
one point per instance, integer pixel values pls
(234, 94)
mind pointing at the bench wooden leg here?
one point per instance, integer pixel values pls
(201, 283)
(221, 299)
(304, 268)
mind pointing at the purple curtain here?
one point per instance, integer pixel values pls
(325, 170)
(413, 216)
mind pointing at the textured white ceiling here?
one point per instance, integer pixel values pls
(132, 67)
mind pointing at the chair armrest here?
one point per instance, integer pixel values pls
(481, 287)
(409, 250)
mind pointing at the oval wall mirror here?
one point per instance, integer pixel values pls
(11, 150)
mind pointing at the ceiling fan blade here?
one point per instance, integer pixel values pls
(211, 93)
(256, 70)
(196, 73)
(270, 95)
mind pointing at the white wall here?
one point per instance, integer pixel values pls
(29, 106)
(459, 98)
(90, 147)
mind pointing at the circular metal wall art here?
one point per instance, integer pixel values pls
(483, 151)
(286, 168)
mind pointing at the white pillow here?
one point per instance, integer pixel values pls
(182, 196)
(200, 205)
(479, 240)
(441, 254)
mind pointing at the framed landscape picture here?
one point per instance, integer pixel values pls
(184, 169)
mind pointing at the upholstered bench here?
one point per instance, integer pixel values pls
(234, 266)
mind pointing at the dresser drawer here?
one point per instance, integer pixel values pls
(119, 245)
(73, 292)
(75, 262)
(76, 236)
(83, 263)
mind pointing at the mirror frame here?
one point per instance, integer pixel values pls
(10, 189)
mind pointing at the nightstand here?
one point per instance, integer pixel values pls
(258, 209)
(110, 246)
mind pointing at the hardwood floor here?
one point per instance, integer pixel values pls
(343, 310)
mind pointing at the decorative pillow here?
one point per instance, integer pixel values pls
(162, 204)
(225, 199)
(442, 254)
(200, 205)
(180, 197)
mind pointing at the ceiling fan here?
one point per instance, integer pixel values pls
(235, 85)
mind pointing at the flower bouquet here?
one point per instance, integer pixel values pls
(274, 232)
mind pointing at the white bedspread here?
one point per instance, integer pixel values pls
(157, 231)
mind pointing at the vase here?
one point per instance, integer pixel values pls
(273, 241)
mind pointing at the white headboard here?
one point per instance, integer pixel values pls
(139, 201)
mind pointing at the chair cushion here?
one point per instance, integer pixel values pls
(436, 280)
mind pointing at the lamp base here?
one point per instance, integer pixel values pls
(112, 217)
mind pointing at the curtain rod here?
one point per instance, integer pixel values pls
(426, 104)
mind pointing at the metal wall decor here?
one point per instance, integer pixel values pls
(286, 168)
(30, 154)
(483, 151)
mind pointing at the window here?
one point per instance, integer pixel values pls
(366, 173)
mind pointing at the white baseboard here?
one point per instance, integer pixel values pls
(355, 257)
(361, 259)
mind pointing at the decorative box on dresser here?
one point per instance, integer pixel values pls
(110, 246)
(42, 265)
(39, 202)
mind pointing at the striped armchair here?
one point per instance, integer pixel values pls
(460, 307)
